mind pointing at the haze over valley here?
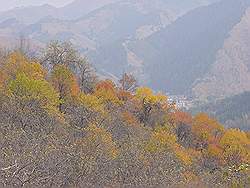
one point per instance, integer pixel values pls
(125, 93)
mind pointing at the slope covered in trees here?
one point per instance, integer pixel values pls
(61, 126)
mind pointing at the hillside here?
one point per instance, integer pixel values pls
(230, 73)
(61, 126)
(133, 21)
(179, 55)
(125, 94)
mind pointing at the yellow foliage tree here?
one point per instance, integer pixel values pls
(236, 146)
(148, 97)
(148, 101)
(65, 83)
(98, 142)
(91, 102)
(162, 140)
(206, 128)
(27, 90)
(16, 63)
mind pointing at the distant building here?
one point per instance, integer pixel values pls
(180, 101)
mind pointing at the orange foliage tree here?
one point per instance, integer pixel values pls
(106, 92)
(207, 130)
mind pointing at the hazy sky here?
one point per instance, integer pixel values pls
(8, 4)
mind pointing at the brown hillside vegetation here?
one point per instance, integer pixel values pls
(62, 127)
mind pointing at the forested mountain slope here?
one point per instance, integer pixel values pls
(61, 126)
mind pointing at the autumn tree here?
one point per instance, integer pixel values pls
(17, 63)
(207, 130)
(65, 83)
(163, 140)
(106, 92)
(235, 144)
(31, 98)
(149, 102)
(29, 90)
(29, 115)
(58, 53)
(183, 124)
(207, 133)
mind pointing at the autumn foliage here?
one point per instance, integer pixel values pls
(54, 134)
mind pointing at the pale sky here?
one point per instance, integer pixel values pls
(9, 4)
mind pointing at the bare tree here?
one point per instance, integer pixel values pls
(57, 53)
(86, 77)
(128, 82)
